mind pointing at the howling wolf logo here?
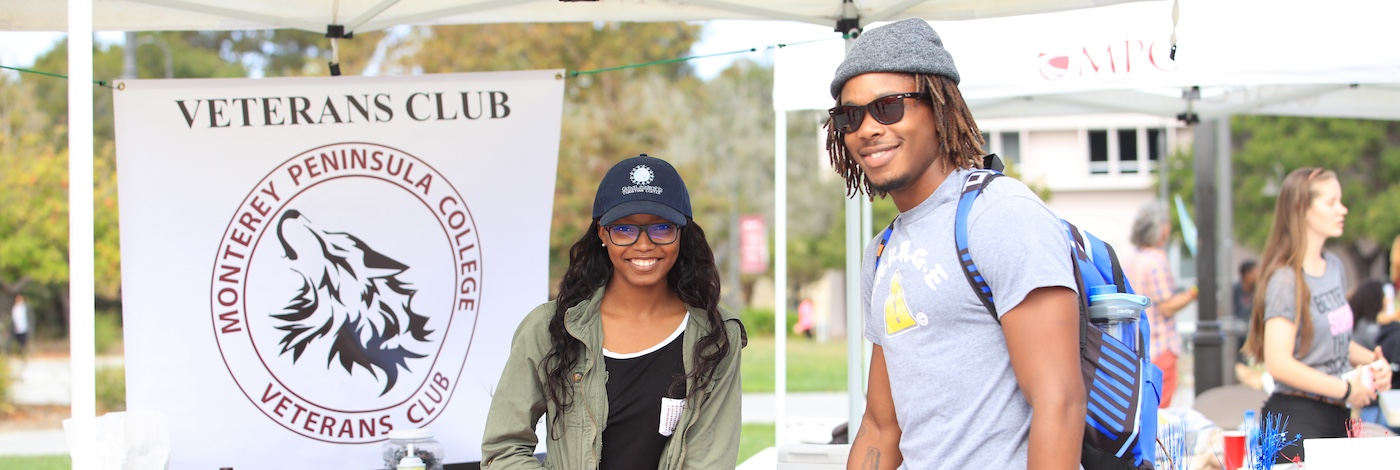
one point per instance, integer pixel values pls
(350, 298)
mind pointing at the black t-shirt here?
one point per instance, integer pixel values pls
(637, 385)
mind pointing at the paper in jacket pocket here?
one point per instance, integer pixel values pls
(670, 415)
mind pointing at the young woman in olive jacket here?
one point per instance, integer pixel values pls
(633, 365)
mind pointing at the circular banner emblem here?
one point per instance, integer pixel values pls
(345, 293)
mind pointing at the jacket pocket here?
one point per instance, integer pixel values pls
(578, 413)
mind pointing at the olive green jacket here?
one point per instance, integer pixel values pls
(707, 436)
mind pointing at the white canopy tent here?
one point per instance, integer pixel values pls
(371, 15)
(81, 17)
(1286, 57)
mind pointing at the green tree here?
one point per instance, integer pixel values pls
(725, 148)
(189, 61)
(33, 201)
(1364, 153)
(33, 149)
(607, 116)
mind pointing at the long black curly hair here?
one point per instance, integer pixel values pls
(694, 278)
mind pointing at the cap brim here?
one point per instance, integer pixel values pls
(642, 207)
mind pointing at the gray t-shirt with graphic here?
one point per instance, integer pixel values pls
(954, 391)
(1331, 316)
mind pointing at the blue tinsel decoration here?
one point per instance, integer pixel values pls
(1272, 438)
(1173, 437)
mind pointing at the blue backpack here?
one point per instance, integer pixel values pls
(1124, 387)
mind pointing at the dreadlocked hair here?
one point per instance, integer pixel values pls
(694, 278)
(954, 127)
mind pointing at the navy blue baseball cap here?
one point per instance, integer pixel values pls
(642, 185)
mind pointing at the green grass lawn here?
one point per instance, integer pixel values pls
(61, 462)
(753, 438)
(811, 366)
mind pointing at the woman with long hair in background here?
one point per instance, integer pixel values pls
(1301, 326)
(634, 365)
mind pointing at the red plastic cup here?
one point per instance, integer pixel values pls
(1234, 449)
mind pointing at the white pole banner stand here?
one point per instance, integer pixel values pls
(310, 263)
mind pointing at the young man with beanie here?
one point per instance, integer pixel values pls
(952, 386)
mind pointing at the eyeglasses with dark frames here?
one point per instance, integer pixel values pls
(627, 234)
(887, 110)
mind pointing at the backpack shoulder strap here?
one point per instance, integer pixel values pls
(884, 239)
(976, 182)
(1095, 254)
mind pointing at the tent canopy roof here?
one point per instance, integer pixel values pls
(1243, 56)
(371, 15)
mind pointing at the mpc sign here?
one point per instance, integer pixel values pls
(1117, 58)
(309, 264)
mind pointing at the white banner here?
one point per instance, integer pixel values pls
(310, 263)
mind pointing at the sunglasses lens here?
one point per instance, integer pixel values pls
(847, 118)
(623, 235)
(662, 233)
(887, 110)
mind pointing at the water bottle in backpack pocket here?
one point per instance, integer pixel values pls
(1121, 382)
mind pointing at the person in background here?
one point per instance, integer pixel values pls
(1372, 313)
(19, 317)
(634, 365)
(1244, 292)
(1301, 324)
(1388, 340)
(804, 319)
(951, 384)
(1395, 263)
(1367, 302)
(1150, 273)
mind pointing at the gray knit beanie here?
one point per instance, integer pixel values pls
(908, 46)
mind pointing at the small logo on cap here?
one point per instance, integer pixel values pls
(642, 175)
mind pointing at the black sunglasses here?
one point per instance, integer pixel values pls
(887, 109)
(627, 234)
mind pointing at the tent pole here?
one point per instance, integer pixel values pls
(857, 224)
(1226, 241)
(82, 429)
(1208, 368)
(780, 285)
(855, 366)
